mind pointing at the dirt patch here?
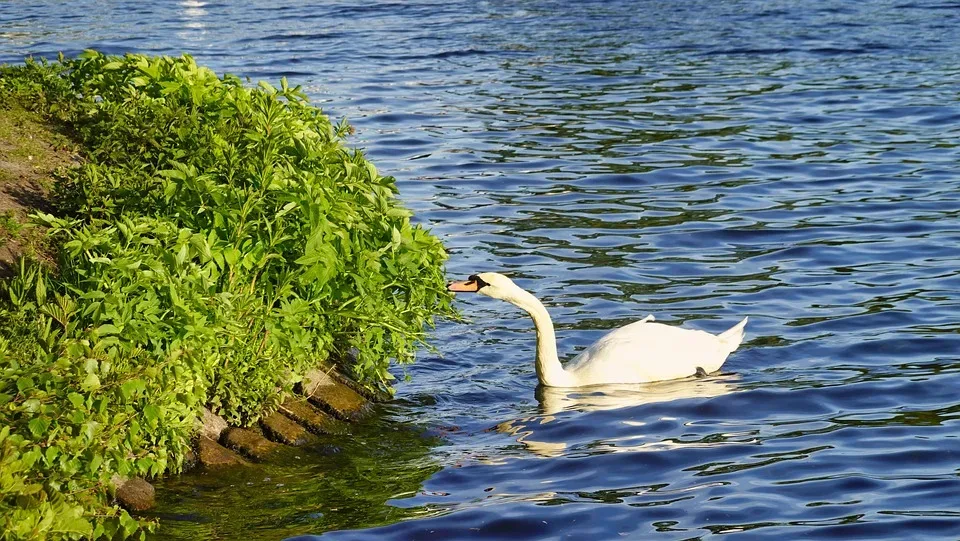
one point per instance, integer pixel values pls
(32, 151)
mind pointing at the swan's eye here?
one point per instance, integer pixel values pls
(479, 281)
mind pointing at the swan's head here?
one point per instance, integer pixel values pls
(491, 284)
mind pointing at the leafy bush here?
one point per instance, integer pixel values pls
(218, 242)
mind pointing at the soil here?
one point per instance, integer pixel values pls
(32, 151)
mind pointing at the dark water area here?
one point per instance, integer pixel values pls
(701, 161)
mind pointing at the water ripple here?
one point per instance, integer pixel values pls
(701, 161)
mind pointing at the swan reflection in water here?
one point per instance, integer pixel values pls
(554, 401)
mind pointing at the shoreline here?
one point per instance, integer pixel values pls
(196, 252)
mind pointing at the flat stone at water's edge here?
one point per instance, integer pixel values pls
(211, 454)
(309, 416)
(375, 395)
(249, 443)
(282, 429)
(339, 399)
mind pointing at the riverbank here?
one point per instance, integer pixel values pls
(193, 244)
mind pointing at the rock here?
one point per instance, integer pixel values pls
(334, 396)
(211, 454)
(281, 428)
(327, 450)
(190, 460)
(213, 425)
(309, 416)
(135, 494)
(377, 395)
(249, 442)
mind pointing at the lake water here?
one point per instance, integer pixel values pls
(702, 161)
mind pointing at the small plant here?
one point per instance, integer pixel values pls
(218, 242)
(9, 225)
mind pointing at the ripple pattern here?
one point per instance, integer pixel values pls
(701, 161)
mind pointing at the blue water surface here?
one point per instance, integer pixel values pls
(794, 162)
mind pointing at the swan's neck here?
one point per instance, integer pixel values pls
(549, 370)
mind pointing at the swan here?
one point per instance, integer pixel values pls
(640, 352)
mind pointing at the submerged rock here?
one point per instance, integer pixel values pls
(249, 442)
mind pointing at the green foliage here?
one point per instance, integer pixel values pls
(218, 242)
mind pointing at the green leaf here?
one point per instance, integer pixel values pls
(95, 462)
(144, 464)
(90, 382)
(151, 413)
(106, 329)
(41, 291)
(267, 87)
(38, 426)
(24, 383)
(126, 391)
(76, 399)
(31, 406)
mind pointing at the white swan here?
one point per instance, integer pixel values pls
(637, 353)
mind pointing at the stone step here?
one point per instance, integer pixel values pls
(335, 397)
(283, 429)
(249, 442)
(310, 416)
(375, 395)
(212, 455)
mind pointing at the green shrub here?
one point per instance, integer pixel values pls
(218, 242)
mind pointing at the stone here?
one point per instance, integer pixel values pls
(249, 442)
(311, 417)
(212, 425)
(190, 460)
(376, 395)
(212, 455)
(135, 494)
(335, 397)
(281, 428)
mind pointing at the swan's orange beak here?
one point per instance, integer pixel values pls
(469, 286)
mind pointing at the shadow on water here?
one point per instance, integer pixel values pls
(339, 482)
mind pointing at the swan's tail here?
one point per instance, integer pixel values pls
(732, 337)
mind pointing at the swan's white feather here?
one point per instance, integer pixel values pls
(645, 351)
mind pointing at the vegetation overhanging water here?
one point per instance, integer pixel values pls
(217, 243)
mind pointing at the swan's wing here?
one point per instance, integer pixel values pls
(647, 351)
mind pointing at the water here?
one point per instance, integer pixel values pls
(701, 161)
